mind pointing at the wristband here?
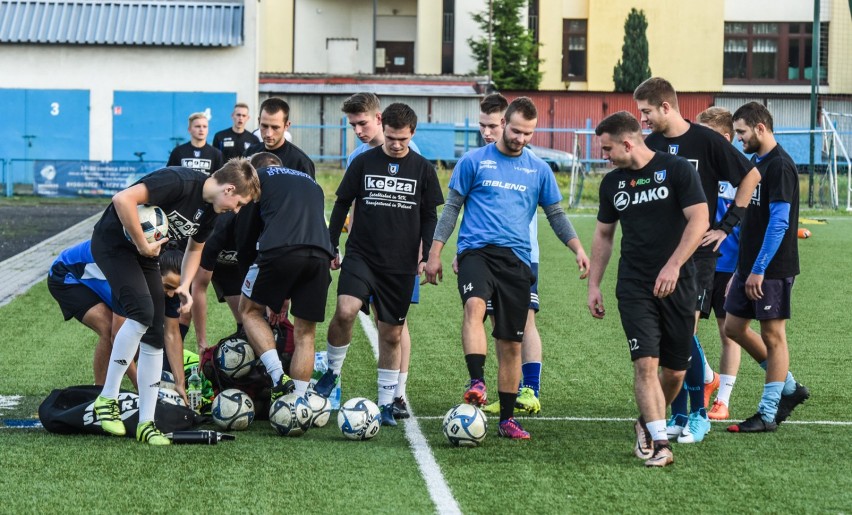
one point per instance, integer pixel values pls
(731, 219)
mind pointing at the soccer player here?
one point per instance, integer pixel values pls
(491, 124)
(235, 140)
(719, 119)
(196, 153)
(655, 287)
(81, 290)
(767, 266)
(500, 185)
(364, 113)
(396, 194)
(716, 160)
(293, 258)
(191, 201)
(274, 120)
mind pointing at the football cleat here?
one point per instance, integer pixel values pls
(108, 412)
(644, 447)
(753, 424)
(326, 384)
(400, 409)
(147, 432)
(675, 425)
(662, 456)
(709, 388)
(386, 415)
(475, 393)
(527, 401)
(789, 402)
(719, 411)
(512, 429)
(492, 409)
(697, 426)
(285, 385)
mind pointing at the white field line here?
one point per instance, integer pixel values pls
(436, 484)
(9, 401)
(616, 419)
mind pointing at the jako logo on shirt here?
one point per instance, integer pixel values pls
(389, 185)
(504, 185)
(622, 199)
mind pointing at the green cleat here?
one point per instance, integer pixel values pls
(527, 401)
(147, 432)
(492, 409)
(108, 412)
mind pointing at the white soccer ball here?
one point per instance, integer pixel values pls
(170, 396)
(465, 426)
(155, 223)
(321, 408)
(235, 357)
(290, 415)
(167, 380)
(233, 410)
(359, 419)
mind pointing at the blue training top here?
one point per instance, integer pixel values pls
(363, 147)
(727, 260)
(79, 267)
(502, 194)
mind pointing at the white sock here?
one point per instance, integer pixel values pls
(708, 372)
(123, 349)
(336, 355)
(273, 365)
(400, 386)
(657, 428)
(388, 380)
(301, 387)
(148, 376)
(726, 386)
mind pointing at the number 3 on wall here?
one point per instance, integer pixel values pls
(54, 109)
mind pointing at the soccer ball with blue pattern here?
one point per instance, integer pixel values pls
(235, 357)
(465, 426)
(232, 410)
(359, 419)
(154, 222)
(290, 415)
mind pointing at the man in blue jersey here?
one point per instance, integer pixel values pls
(500, 186)
(82, 291)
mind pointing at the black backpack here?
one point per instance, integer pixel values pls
(69, 411)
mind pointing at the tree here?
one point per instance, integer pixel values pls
(633, 67)
(514, 59)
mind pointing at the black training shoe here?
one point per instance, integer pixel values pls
(789, 402)
(753, 424)
(400, 409)
(285, 385)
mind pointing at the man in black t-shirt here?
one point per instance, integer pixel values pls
(396, 194)
(716, 160)
(196, 153)
(767, 265)
(293, 254)
(129, 262)
(235, 140)
(655, 287)
(274, 120)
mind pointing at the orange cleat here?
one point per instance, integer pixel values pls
(709, 388)
(719, 411)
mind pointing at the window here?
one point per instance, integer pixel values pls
(448, 37)
(573, 50)
(772, 53)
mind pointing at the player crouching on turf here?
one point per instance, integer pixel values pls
(78, 285)
(500, 186)
(131, 266)
(396, 194)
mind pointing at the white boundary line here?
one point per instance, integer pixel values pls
(616, 419)
(436, 484)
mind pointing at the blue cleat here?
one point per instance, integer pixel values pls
(326, 384)
(696, 428)
(386, 413)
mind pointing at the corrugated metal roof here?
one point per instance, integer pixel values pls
(151, 23)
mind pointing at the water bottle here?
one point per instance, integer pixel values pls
(334, 398)
(320, 367)
(193, 389)
(203, 437)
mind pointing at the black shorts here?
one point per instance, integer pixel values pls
(136, 284)
(705, 271)
(774, 305)
(226, 281)
(497, 274)
(389, 293)
(534, 302)
(75, 300)
(657, 327)
(300, 275)
(720, 283)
